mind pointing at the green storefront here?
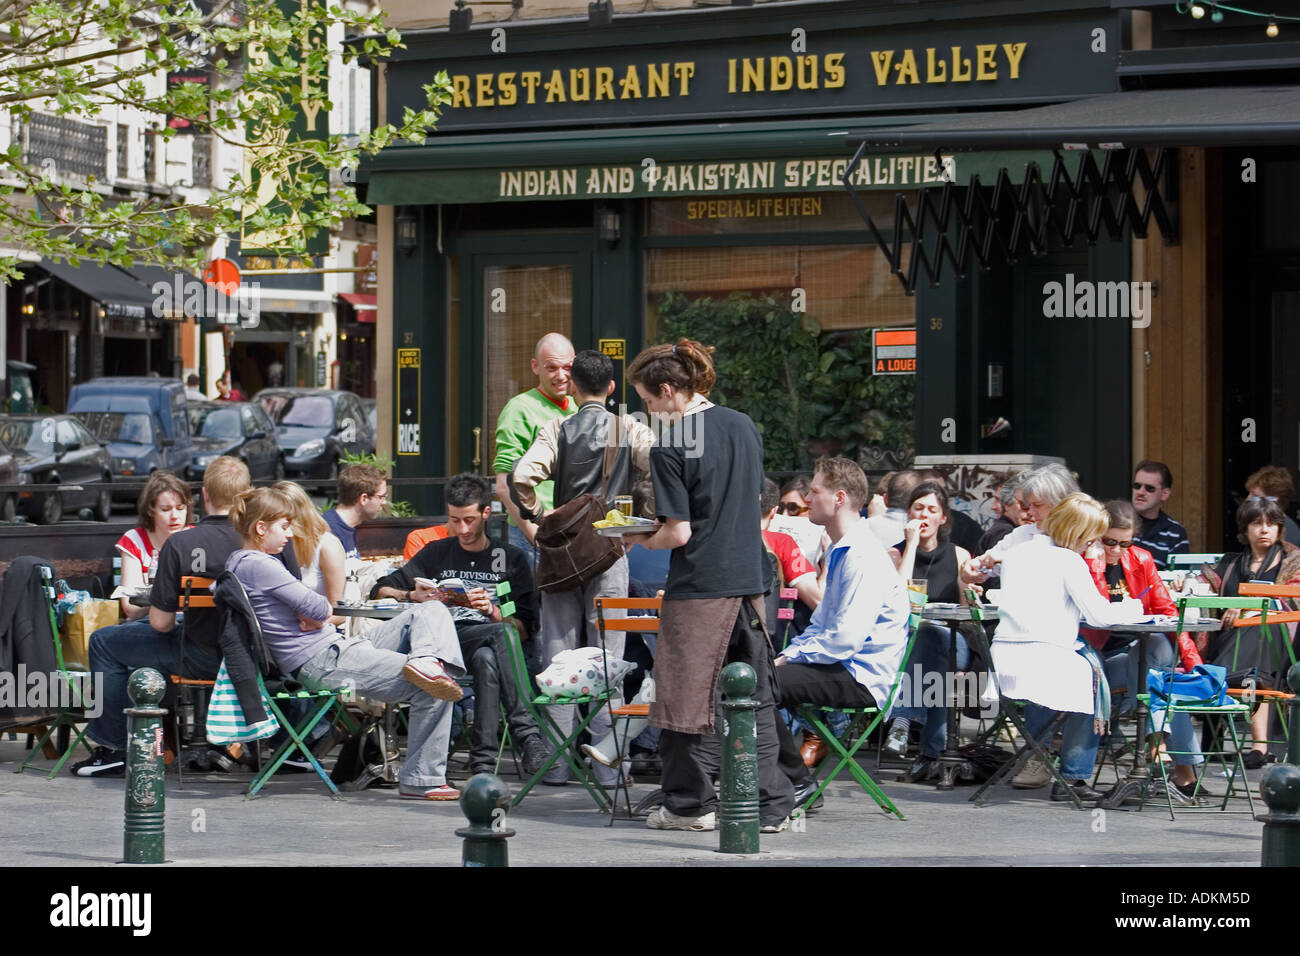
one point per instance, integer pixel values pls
(585, 176)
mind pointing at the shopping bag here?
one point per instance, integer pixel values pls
(82, 620)
(1203, 684)
(226, 724)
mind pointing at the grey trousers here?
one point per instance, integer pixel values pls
(372, 667)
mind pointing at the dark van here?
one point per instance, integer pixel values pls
(142, 422)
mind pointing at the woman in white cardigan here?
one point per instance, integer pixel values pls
(1046, 591)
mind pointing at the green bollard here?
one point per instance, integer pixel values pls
(1280, 789)
(485, 801)
(738, 808)
(145, 792)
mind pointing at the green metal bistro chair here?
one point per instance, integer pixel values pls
(231, 598)
(847, 746)
(562, 746)
(1220, 718)
(1283, 653)
(70, 712)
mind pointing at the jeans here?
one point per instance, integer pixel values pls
(692, 760)
(372, 667)
(1122, 667)
(118, 650)
(930, 657)
(1078, 739)
(1184, 742)
(568, 622)
(484, 646)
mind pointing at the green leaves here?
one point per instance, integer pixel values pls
(809, 392)
(107, 62)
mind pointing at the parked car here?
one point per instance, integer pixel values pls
(8, 476)
(371, 407)
(142, 421)
(240, 429)
(316, 427)
(58, 450)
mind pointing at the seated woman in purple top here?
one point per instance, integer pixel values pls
(414, 657)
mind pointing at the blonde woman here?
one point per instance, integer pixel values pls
(318, 550)
(1039, 657)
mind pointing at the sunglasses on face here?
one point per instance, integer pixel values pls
(1141, 486)
(1112, 543)
(790, 508)
(1262, 498)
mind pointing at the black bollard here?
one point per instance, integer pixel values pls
(738, 808)
(1280, 789)
(485, 801)
(145, 790)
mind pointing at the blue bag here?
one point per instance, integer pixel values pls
(1203, 684)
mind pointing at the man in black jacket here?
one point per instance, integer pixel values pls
(155, 641)
(469, 556)
(572, 451)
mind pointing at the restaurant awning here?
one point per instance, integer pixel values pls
(180, 294)
(1223, 116)
(365, 304)
(117, 291)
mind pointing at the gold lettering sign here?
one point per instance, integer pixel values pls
(793, 74)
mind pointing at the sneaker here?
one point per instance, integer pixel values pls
(897, 739)
(775, 827)
(102, 762)
(1036, 774)
(661, 818)
(296, 765)
(535, 754)
(429, 674)
(443, 792)
(1190, 791)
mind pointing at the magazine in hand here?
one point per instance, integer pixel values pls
(451, 591)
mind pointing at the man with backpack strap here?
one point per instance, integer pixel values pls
(574, 452)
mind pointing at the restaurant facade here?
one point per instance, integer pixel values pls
(1065, 291)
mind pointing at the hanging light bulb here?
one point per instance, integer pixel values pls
(1271, 29)
(1197, 11)
(1216, 15)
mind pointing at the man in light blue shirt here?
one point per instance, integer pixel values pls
(851, 652)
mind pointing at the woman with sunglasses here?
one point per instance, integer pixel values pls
(1127, 570)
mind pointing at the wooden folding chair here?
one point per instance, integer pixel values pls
(628, 712)
(195, 592)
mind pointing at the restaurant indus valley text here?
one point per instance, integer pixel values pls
(978, 63)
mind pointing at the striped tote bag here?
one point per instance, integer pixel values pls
(226, 724)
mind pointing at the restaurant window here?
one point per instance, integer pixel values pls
(792, 311)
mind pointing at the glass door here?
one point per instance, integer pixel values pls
(515, 300)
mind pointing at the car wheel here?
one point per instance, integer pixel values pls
(104, 504)
(52, 508)
(9, 508)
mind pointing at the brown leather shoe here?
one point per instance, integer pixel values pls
(813, 749)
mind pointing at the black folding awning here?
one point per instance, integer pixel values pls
(179, 294)
(1222, 116)
(1113, 172)
(119, 293)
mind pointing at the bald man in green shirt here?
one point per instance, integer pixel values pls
(520, 421)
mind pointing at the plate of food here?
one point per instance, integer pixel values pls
(615, 524)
